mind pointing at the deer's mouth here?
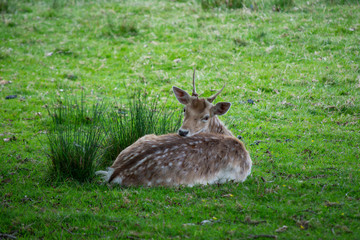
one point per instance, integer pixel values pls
(189, 134)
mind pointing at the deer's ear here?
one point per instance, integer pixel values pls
(182, 96)
(220, 108)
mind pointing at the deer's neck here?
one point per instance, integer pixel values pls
(216, 126)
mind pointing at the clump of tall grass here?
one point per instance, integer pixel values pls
(284, 4)
(240, 42)
(75, 138)
(85, 135)
(119, 28)
(4, 6)
(140, 116)
(232, 4)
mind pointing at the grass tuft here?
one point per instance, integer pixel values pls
(75, 139)
(284, 4)
(240, 42)
(142, 116)
(119, 28)
(230, 4)
(4, 6)
(84, 136)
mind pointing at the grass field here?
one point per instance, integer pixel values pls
(292, 75)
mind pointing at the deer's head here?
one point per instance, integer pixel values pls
(198, 111)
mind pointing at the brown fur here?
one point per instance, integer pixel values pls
(173, 160)
(194, 113)
(206, 153)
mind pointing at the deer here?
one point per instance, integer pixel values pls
(202, 152)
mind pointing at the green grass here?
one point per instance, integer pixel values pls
(231, 4)
(76, 138)
(299, 65)
(86, 133)
(140, 116)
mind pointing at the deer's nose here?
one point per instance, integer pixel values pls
(183, 133)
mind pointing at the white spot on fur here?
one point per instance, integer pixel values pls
(117, 180)
(133, 155)
(141, 161)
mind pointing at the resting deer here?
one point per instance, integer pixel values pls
(203, 152)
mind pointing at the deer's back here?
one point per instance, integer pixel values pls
(172, 160)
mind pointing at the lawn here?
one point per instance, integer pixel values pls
(292, 74)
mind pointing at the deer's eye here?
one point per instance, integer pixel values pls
(184, 109)
(206, 118)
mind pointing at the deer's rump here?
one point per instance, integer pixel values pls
(170, 159)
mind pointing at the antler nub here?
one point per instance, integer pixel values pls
(212, 98)
(194, 88)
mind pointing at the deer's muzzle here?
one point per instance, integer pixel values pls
(183, 132)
